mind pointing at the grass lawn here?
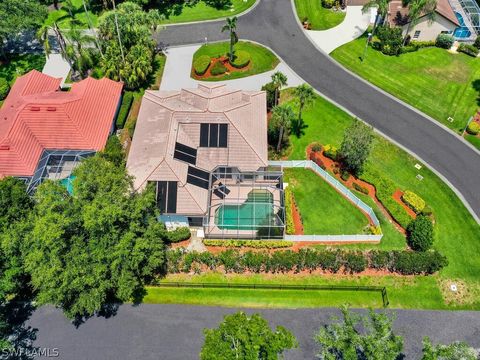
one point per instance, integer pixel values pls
(202, 11)
(433, 80)
(323, 209)
(457, 234)
(319, 17)
(474, 140)
(262, 59)
(176, 13)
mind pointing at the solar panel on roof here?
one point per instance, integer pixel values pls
(172, 197)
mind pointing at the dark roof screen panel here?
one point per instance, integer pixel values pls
(162, 195)
(204, 130)
(172, 197)
(184, 157)
(223, 135)
(186, 149)
(197, 181)
(213, 135)
(204, 175)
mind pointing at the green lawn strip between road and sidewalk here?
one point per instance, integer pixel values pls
(433, 80)
(323, 209)
(176, 13)
(262, 59)
(319, 17)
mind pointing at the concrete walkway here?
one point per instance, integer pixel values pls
(179, 64)
(353, 26)
(57, 67)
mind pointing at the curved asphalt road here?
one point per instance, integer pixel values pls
(175, 332)
(274, 24)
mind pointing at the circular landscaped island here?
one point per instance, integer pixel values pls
(211, 61)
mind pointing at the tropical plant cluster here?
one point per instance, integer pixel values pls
(256, 244)
(284, 261)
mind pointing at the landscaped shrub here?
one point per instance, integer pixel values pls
(269, 88)
(384, 191)
(400, 261)
(474, 127)
(477, 42)
(242, 59)
(330, 151)
(316, 147)
(444, 41)
(328, 4)
(289, 224)
(422, 44)
(360, 188)
(415, 202)
(427, 211)
(201, 64)
(345, 175)
(420, 233)
(179, 234)
(257, 244)
(409, 48)
(4, 88)
(218, 68)
(127, 101)
(390, 39)
(468, 49)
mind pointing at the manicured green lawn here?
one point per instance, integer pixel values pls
(262, 59)
(324, 211)
(457, 234)
(474, 140)
(202, 11)
(319, 17)
(433, 80)
(176, 13)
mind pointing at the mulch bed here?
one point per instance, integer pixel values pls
(330, 165)
(224, 60)
(397, 196)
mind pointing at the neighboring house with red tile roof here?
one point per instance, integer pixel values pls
(184, 139)
(444, 22)
(38, 119)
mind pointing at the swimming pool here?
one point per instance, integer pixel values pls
(461, 32)
(67, 182)
(255, 211)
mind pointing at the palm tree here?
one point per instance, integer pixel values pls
(417, 9)
(76, 50)
(279, 79)
(282, 117)
(305, 96)
(92, 29)
(43, 37)
(118, 31)
(382, 10)
(231, 26)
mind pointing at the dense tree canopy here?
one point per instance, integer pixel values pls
(19, 15)
(240, 336)
(343, 340)
(356, 145)
(128, 48)
(453, 351)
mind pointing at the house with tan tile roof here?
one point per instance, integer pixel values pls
(205, 149)
(445, 21)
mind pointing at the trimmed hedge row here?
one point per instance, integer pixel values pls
(384, 190)
(468, 49)
(4, 88)
(127, 101)
(179, 234)
(256, 244)
(242, 59)
(351, 262)
(415, 202)
(290, 226)
(218, 68)
(201, 64)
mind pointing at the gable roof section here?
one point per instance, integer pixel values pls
(443, 8)
(37, 116)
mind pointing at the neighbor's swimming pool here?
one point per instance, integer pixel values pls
(67, 182)
(461, 32)
(255, 211)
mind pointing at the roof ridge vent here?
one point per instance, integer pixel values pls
(51, 108)
(34, 108)
(4, 147)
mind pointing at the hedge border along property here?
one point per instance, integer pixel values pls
(201, 65)
(415, 202)
(468, 49)
(384, 191)
(289, 224)
(242, 59)
(127, 102)
(256, 244)
(287, 261)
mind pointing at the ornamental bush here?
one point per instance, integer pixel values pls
(360, 188)
(474, 127)
(468, 49)
(4, 88)
(328, 4)
(390, 39)
(415, 202)
(179, 234)
(422, 44)
(201, 64)
(354, 262)
(420, 233)
(218, 68)
(242, 59)
(444, 41)
(330, 151)
(477, 42)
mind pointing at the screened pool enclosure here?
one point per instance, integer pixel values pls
(468, 15)
(245, 205)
